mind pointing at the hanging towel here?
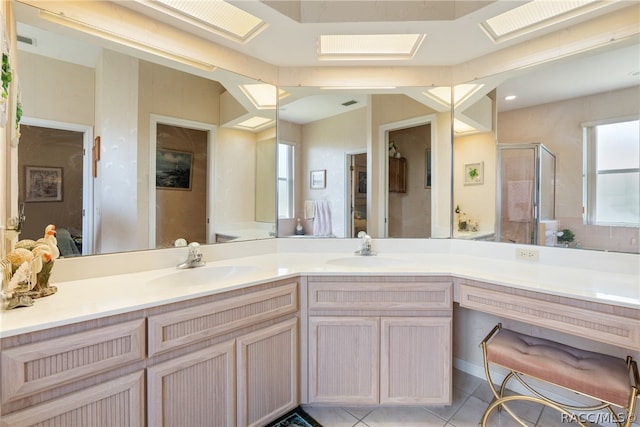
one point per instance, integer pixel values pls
(309, 209)
(519, 194)
(322, 222)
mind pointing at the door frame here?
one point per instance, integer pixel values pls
(154, 120)
(383, 167)
(88, 232)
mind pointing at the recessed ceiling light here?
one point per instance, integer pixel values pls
(369, 46)
(216, 16)
(509, 97)
(535, 15)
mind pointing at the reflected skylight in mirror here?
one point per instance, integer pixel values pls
(262, 95)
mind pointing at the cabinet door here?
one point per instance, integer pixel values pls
(194, 390)
(344, 360)
(267, 373)
(416, 361)
(118, 402)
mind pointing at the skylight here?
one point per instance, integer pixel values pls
(535, 15)
(369, 47)
(217, 16)
(255, 123)
(262, 95)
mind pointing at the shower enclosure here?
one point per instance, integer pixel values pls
(526, 193)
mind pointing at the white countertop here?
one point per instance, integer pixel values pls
(606, 278)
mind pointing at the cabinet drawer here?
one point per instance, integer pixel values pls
(380, 296)
(182, 327)
(119, 402)
(605, 327)
(32, 368)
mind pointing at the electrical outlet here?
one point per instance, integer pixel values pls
(527, 254)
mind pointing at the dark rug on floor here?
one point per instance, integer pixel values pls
(296, 418)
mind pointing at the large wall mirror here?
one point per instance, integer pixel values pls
(549, 155)
(170, 151)
(354, 160)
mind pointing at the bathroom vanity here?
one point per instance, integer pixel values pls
(290, 326)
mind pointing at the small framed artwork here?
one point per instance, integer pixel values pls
(43, 184)
(474, 173)
(173, 169)
(318, 179)
(427, 169)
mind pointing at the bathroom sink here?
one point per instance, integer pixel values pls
(367, 261)
(203, 275)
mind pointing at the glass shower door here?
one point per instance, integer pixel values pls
(526, 191)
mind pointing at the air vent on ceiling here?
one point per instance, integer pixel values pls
(348, 103)
(26, 40)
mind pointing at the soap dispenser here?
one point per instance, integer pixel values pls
(299, 229)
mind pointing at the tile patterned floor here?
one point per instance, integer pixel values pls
(471, 395)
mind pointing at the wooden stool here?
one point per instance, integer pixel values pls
(612, 381)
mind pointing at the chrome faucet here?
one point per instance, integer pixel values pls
(365, 249)
(194, 259)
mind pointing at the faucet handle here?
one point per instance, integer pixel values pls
(194, 249)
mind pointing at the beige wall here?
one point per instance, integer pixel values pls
(235, 182)
(324, 147)
(56, 90)
(558, 126)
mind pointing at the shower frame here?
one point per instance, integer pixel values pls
(538, 148)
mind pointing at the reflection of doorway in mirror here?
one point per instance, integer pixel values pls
(55, 146)
(409, 212)
(181, 214)
(358, 193)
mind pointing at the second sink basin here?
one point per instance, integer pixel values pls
(203, 275)
(367, 261)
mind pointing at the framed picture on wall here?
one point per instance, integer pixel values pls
(173, 169)
(43, 184)
(473, 173)
(318, 179)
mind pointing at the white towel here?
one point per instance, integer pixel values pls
(309, 209)
(519, 194)
(322, 222)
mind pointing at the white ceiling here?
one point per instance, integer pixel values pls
(452, 38)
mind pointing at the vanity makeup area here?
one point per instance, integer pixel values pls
(271, 322)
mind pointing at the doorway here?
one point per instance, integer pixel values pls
(406, 149)
(357, 179)
(55, 183)
(181, 182)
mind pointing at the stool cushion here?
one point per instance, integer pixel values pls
(603, 377)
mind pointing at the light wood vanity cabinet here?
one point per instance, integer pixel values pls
(247, 376)
(379, 340)
(52, 369)
(223, 360)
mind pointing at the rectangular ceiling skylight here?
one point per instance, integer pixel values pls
(535, 15)
(369, 46)
(262, 95)
(216, 16)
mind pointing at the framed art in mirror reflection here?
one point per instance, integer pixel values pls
(173, 169)
(43, 184)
